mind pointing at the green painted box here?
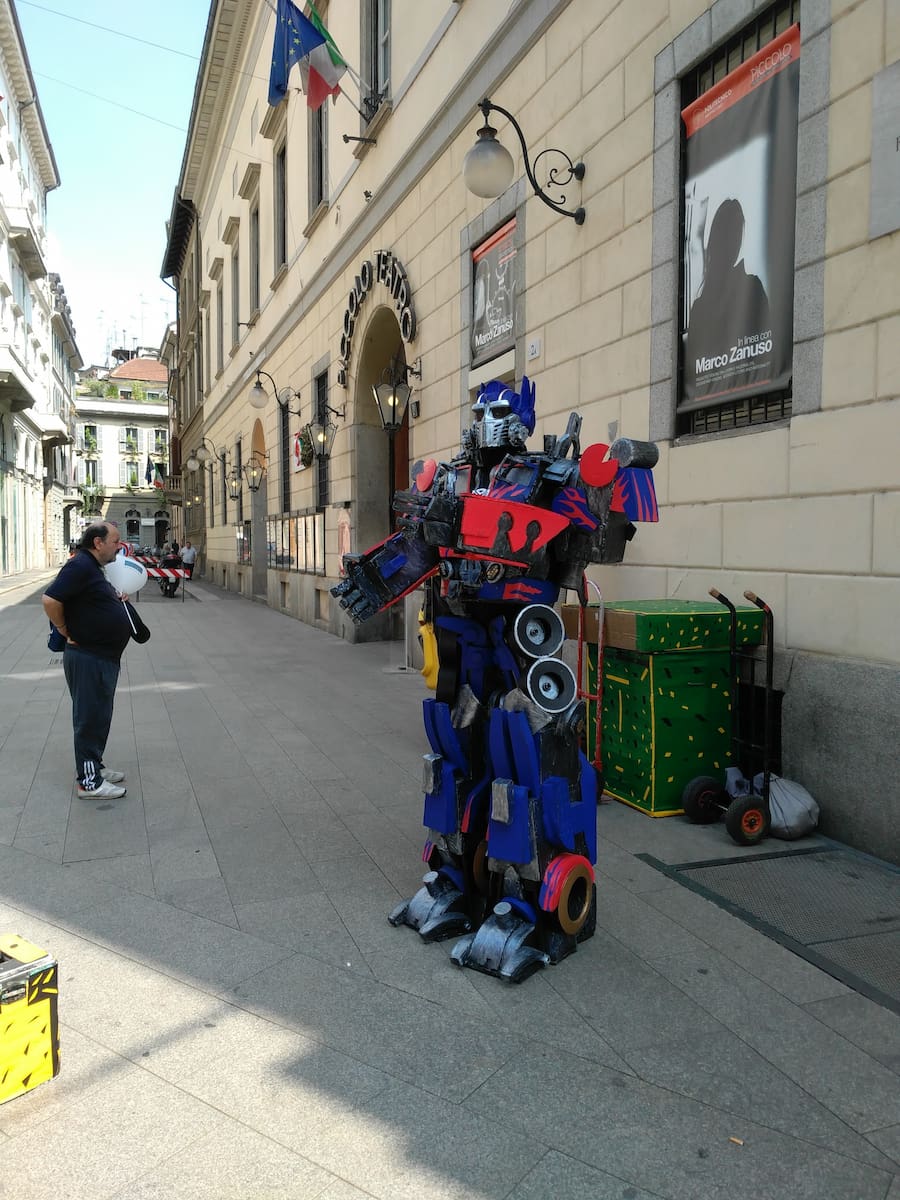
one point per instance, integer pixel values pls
(661, 626)
(665, 718)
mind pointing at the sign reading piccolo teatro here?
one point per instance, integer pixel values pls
(387, 270)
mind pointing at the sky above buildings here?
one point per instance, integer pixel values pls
(115, 82)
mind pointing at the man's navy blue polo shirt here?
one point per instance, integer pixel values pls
(95, 616)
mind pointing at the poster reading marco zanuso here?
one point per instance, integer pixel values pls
(740, 188)
(494, 294)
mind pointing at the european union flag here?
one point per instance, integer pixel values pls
(148, 474)
(295, 38)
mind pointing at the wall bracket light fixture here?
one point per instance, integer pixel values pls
(255, 469)
(393, 392)
(488, 167)
(201, 456)
(259, 397)
(322, 430)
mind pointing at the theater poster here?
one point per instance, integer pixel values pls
(494, 294)
(738, 252)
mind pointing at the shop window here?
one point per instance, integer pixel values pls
(737, 203)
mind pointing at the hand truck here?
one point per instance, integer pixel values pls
(705, 798)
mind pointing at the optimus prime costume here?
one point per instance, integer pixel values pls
(510, 799)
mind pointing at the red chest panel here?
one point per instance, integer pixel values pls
(505, 530)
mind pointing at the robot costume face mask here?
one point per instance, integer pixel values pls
(493, 420)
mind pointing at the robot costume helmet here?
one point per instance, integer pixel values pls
(503, 417)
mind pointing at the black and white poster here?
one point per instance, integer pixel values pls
(738, 252)
(494, 294)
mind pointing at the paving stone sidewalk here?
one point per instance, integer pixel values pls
(239, 1021)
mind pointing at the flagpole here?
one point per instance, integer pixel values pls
(352, 105)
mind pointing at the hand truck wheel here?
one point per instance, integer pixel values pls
(747, 820)
(704, 799)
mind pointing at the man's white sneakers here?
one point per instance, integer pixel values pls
(104, 791)
(112, 776)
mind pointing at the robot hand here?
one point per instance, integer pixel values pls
(353, 593)
(383, 575)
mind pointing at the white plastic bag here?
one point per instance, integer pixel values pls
(794, 811)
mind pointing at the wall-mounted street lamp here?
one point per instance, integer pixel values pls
(488, 167)
(392, 396)
(235, 482)
(259, 397)
(255, 470)
(201, 456)
(322, 431)
(393, 392)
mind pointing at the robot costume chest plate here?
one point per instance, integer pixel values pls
(507, 531)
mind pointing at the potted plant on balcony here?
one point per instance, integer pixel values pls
(93, 496)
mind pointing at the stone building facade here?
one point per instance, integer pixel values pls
(327, 248)
(38, 354)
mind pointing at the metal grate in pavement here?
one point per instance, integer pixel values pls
(877, 958)
(835, 907)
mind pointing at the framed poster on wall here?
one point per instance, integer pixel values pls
(494, 294)
(740, 186)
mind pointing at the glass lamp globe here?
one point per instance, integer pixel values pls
(488, 167)
(258, 395)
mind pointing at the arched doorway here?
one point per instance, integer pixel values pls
(133, 525)
(381, 345)
(161, 525)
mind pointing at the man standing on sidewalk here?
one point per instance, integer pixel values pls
(86, 609)
(188, 558)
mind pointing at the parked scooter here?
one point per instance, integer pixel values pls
(170, 561)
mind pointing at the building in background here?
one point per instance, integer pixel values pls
(37, 347)
(319, 251)
(123, 450)
(62, 500)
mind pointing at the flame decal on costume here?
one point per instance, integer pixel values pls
(503, 490)
(572, 504)
(635, 494)
(521, 591)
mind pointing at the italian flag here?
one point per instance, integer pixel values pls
(321, 71)
(305, 41)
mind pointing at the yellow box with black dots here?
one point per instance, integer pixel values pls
(29, 1021)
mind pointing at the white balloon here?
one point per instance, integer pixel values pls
(126, 574)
